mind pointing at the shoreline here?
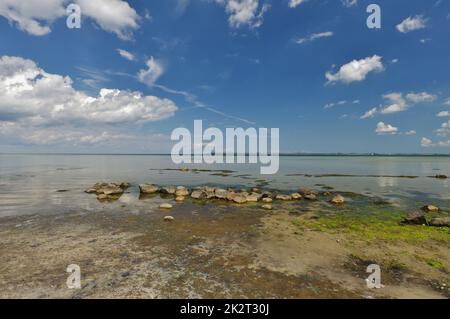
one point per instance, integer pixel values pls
(216, 248)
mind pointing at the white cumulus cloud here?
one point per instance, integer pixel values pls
(33, 99)
(383, 129)
(37, 16)
(152, 73)
(244, 12)
(426, 142)
(412, 23)
(400, 103)
(444, 130)
(356, 70)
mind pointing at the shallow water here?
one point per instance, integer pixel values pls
(49, 184)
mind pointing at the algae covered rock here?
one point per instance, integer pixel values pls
(415, 218)
(440, 222)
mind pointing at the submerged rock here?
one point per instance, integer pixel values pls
(440, 222)
(165, 206)
(267, 200)
(180, 198)
(338, 200)
(415, 218)
(267, 206)
(169, 218)
(148, 188)
(430, 208)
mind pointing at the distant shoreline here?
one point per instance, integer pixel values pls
(281, 155)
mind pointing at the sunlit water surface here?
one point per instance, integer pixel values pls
(55, 184)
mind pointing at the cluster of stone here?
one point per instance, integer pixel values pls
(108, 191)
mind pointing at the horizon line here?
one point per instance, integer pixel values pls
(234, 154)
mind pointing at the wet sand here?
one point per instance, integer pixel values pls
(211, 250)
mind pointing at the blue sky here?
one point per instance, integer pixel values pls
(233, 63)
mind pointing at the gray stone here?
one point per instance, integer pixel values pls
(415, 218)
(198, 194)
(283, 197)
(440, 222)
(148, 188)
(168, 190)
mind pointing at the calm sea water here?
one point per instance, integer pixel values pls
(54, 184)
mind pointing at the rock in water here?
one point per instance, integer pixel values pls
(210, 195)
(220, 193)
(169, 218)
(338, 200)
(168, 190)
(267, 200)
(253, 197)
(148, 188)
(296, 196)
(165, 206)
(102, 197)
(112, 190)
(239, 199)
(180, 198)
(310, 196)
(430, 209)
(197, 194)
(181, 191)
(440, 222)
(283, 197)
(415, 218)
(267, 206)
(231, 195)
